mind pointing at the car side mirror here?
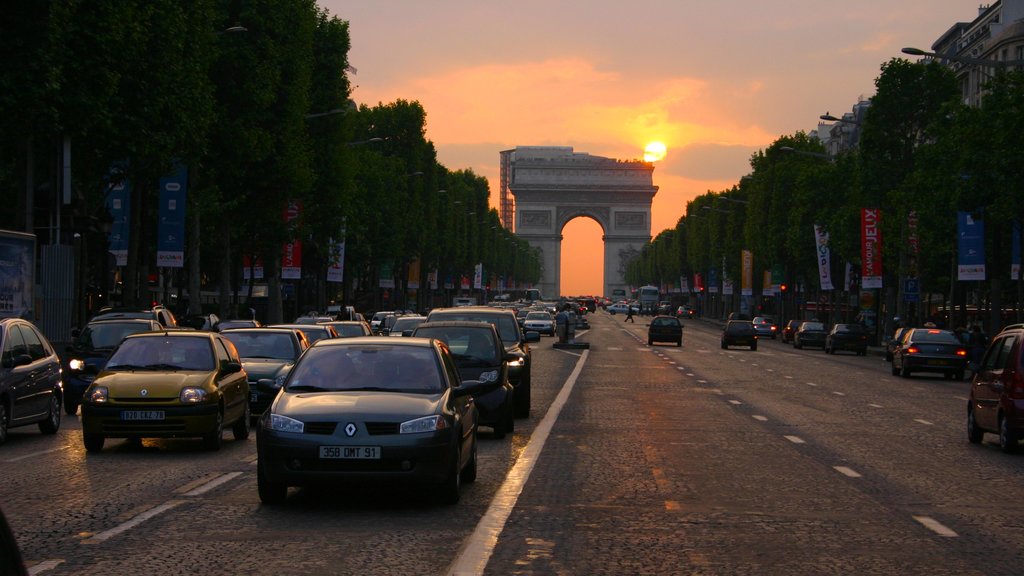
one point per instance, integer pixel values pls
(474, 387)
(231, 368)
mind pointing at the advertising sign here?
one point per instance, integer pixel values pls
(478, 276)
(170, 243)
(291, 254)
(413, 281)
(118, 205)
(747, 280)
(1015, 252)
(822, 254)
(871, 248)
(336, 269)
(970, 261)
(17, 274)
(713, 282)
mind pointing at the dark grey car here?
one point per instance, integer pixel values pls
(31, 391)
(810, 334)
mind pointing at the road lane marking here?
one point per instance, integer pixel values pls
(34, 454)
(839, 393)
(614, 349)
(702, 381)
(811, 384)
(213, 484)
(795, 439)
(44, 566)
(876, 405)
(735, 402)
(139, 519)
(570, 353)
(936, 526)
(477, 551)
(788, 377)
(845, 471)
(961, 398)
(760, 418)
(925, 422)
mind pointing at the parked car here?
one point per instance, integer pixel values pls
(479, 355)
(894, 342)
(852, 337)
(930, 350)
(31, 391)
(810, 334)
(267, 355)
(168, 385)
(538, 321)
(350, 328)
(765, 327)
(313, 332)
(789, 331)
(739, 333)
(516, 343)
(158, 313)
(665, 329)
(371, 409)
(622, 308)
(996, 402)
(89, 351)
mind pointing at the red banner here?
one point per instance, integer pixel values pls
(291, 255)
(871, 248)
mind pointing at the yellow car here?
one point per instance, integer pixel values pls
(168, 385)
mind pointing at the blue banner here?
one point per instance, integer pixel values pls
(713, 281)
(1015, 252)
(118, 204)
(970, 247)
(170, 244)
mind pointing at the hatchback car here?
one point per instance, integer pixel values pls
(810, 334)
(765, 326)
(31, 391)
(930, 350)
(89, 352)
(267, 355)
(739, 333)
(540, 321)
(350, 328)
(372, 410)
(996, 401)
(665, 329)
(516, 343)
(479, 355)
(168, 385)
(789, 331)
(852, 337)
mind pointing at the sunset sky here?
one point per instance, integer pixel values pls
(714, 81)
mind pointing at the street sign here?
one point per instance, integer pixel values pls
(911, 290)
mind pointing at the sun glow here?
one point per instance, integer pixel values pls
(654, 151)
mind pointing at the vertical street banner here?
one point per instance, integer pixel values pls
(1015, 251)
(413, 281)
(170, 242)
(478, 276)
(449, 282)
(386, 279)
(252, 268)
(824, 260)
(727, 286)
(698, 282)
(871, 248)
(766, 283)
(713, 281)
(291, 255)
(970, 260)
(747, 273)
(118, 202)
(913, 242)
(432, 279)
(684, 285)
(464, 282)
(336, 264)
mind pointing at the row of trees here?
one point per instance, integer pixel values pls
(922, 157)
(254, 97)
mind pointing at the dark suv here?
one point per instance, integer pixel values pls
(158, 313)
(996, 404)
(516, 343)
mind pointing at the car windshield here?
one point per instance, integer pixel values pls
(665, 322)
(274, 345)
(812, 326)
(349, 330)
(313, 332)
(538, 316)
(108, 334)
(466, 344)
(163, 353)
(850, 328)
(406, 324)
(936, 337)
(367, 367)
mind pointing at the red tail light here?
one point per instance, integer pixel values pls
(913, 350)
(961, 352)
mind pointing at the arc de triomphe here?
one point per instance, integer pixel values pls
(554, 185)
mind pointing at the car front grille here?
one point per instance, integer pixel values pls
(325, 428)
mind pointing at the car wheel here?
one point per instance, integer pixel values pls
(271, 493)
(70, 408)
(522, 398)
(725, 346)
(959, 376)
(1007, 437)
(650, 342)
(4, 417)
(974, 433)
(797, 345)
(452, 487)
(753, 347)
(500, 426)
(212, 441)
(93, 442)
(679, 343)
(52, 422)
(243, 425)
(905, 371)
(895, 370)
(468, 474)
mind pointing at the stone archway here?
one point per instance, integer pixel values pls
(553, 185)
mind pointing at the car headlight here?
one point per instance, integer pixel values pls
(99, 395)
(76, 364)
(192, 395)
(426, 424)
(517, 363)
(280, 423)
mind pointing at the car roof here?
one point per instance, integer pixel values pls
(375, 341)
(174, 334)
(148, 321)
(261, 330)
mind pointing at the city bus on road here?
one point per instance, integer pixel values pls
(648, 296)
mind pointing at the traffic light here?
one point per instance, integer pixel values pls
(782, 287)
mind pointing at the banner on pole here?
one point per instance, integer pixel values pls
(747, 280)
(170, 244)
(970, 247)
(824, 260)
(871, 248)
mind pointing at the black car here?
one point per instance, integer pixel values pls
(739, 333)
(479, 354)
(158, 313)
(665, 329)
(930, 350)
(31, 391)
(852, 337)
(517, 345)
(236, 323)
(267, 354)
(89, 351)
(810, 334)
(789, 331)
(892, 344)
(373, 410)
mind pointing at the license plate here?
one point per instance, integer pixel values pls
(350, 452)
(142, 415)
(254, 396)
(938, 362)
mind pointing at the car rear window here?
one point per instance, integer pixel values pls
(812, 326)
(274, 345)
(935, 337)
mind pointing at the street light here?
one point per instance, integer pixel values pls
(1001, 64)
(791, 150)
(830, 118)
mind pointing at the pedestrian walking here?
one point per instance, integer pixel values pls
(629, 315)
(976, 344)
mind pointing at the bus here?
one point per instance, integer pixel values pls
(648, 296)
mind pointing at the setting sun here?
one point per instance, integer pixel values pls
(654, 151)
